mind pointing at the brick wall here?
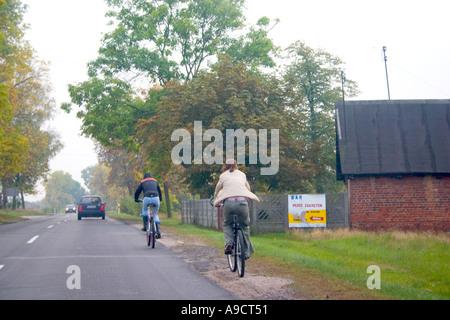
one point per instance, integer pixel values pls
(409, 203)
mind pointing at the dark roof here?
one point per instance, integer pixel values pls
(393, 137)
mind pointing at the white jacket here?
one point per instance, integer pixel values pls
(232, 184)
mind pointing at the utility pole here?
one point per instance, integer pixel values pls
(342, 82)
(385, 66)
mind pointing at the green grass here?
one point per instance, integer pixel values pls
(413, 265)
(11, 215)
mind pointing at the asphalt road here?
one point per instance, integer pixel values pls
(60, 258)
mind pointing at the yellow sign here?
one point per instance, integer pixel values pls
(307, 211)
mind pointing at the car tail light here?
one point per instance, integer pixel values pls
(102, 207)
(80, 207)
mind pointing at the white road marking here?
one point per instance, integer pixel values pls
(50, 227)
(1, 266)
(33, 239)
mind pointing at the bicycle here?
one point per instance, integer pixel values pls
(151, 230)
(236, 259)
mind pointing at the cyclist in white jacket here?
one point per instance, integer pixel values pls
(233, 192)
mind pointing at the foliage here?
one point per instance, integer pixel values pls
(97, 179)
(25, 102)
(312, 82)
(228, 97)
(156, 42)
(129, 206)
(168, 63)
(255, 48)
(170, 39)
(61, 189)
(13, 146)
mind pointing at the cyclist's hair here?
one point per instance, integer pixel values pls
(229, 166)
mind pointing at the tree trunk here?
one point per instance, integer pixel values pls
(166, 195)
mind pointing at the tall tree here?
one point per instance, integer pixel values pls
(152, 42)
(26, 91)
(228, 97)
(166, 39)
(312, 81)
(13, 145)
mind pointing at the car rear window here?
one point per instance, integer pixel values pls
(91, 200)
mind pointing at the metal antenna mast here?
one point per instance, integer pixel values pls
(385, 66)
(342, 81)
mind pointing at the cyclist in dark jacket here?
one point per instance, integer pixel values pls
(152, 195)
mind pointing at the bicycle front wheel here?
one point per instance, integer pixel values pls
(240, 253)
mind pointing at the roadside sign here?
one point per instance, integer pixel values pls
(11, 192)
(307, 211)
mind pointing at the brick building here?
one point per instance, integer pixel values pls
(394, 157)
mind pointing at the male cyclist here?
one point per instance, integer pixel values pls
(152, 195)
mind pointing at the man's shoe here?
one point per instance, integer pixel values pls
(145, 222)
(158, 232)
(228, 248)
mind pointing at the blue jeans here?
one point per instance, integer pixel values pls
(146, 202)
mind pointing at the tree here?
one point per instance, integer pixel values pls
(25, 99)
(228, 97)
(168, 39)
(61, 189)
(156, 42)
(13, 145)
(109, 110)
(255, 48)
(98, 179)
(312, 82)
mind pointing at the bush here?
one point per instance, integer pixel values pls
(128, 206)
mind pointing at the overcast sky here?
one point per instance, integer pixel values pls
(67, 33)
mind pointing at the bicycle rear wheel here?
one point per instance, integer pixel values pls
(232, 260)
(153, 233)
(240, 254)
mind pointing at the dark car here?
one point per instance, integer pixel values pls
(91, 206)
(71, 208)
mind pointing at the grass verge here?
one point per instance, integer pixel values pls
(17, 215)
(333, 264)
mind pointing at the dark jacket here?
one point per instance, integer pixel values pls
(148, 186)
